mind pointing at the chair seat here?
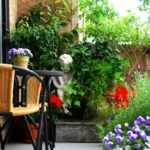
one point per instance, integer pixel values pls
(19, 111)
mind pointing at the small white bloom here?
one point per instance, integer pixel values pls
(148, 139)
(127, 147)
(126, 125)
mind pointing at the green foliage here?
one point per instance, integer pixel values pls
(99, 18)
(115, 66)
(104, 23)
(36, 116)
(57, 112)
(145, 6)
(91, 76)
(38, 31)
(139, 106)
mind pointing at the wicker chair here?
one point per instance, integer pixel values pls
(9, 89)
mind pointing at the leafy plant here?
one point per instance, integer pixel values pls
(139, 105)
(91, 76)
(38, 31)
(56, 104)
(127, 33)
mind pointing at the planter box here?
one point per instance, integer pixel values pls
(76, 131)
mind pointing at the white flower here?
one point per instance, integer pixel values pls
(127, 147)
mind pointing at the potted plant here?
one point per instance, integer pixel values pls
(41, 22)
(20, 56)
(34, 131)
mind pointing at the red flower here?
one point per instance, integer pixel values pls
(56, 100)
(121, 96)
(41, 89)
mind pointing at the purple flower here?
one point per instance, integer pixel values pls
(105, 139)
(27, 50)
(148, 119)
(135, 123)
(139, 67)
(110, 135)
(109, 144)
(137, 146)
(141, 120)
(118, 131)
(143, 135)
(15, 52)
(118, 126)
(133, 137)
(125, 78)
(137, 131)
(132, 76)
(129, 133)
(19, 52)
(30, 54)
(119, 139)
(147, 128)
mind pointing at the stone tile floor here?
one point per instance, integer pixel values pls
(59, 146)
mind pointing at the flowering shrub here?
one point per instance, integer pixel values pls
(130, 137)
(56, 100)
(121, 96)
(56, 103)
(19, 52)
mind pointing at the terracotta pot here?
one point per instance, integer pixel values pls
(21, 61)
(34, 133)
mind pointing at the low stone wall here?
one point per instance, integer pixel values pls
(76, 131)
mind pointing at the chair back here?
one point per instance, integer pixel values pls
(33, 91)
(6, 87)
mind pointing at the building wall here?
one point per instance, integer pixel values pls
(13, 12)
(18, 7)
(24, 5)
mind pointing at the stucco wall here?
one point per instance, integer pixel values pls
(13, 12)
(18, 7)
(24, 5)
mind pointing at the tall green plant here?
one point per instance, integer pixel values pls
(91, 76)
(38, 31)
(102, 22)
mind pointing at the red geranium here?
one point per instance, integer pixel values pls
(56, 100)
(121, 96)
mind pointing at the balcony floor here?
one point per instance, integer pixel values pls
(59, 146)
